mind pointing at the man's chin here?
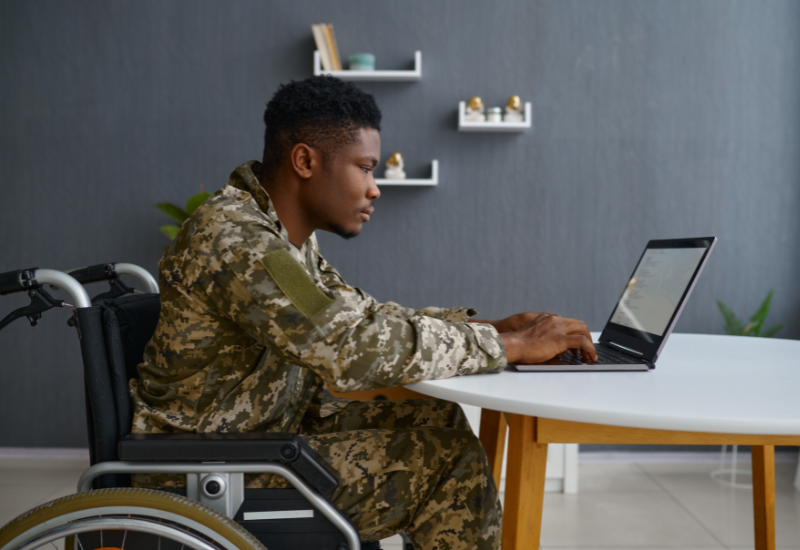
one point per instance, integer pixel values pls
(342, 232)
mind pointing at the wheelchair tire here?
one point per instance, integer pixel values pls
(120, 511)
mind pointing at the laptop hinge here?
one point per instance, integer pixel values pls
(625, 349)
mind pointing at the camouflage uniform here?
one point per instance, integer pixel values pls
(252, 328)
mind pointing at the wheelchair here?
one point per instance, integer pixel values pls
(214, 510)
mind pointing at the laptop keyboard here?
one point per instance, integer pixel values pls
(605, 356)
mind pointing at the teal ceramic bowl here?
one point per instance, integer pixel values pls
(362, 62)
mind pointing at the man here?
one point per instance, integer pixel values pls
(254, 323)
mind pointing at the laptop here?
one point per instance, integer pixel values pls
(646, 312)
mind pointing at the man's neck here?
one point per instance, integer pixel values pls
(289, 213)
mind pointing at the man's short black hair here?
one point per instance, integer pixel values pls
(322, 111)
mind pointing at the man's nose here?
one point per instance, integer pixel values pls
(372, 191)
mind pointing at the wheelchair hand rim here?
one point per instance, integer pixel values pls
(140, 525)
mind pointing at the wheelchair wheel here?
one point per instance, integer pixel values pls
(127, 519)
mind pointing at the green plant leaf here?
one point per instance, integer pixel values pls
(733, 325)
(758, 318)
(770, 332)
(194, 202)
(170, 231)
(174, 212)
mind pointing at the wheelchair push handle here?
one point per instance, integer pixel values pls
(139, 273)
(110, 271)
(66, 283)
(33, 281)
(25, 280)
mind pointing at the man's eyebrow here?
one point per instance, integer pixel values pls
(372, 160)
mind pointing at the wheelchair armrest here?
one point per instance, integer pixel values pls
(288, 449)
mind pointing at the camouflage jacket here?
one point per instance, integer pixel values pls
(251, 328)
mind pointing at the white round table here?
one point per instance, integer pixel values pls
(705, 389)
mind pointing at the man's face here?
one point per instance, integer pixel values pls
(340, 195)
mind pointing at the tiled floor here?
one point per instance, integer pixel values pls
(625, 505)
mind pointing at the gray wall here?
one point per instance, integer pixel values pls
(652, 119)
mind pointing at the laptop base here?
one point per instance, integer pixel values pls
(609, 359)
(554, 365)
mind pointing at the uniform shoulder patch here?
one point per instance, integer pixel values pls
(295, 283)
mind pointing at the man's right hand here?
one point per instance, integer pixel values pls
(545, 337)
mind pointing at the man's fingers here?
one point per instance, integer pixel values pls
(583, 342)
(554, 333)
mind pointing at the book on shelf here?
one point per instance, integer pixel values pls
(333, 49)
(326, 45)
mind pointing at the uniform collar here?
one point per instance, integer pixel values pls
(245, 178)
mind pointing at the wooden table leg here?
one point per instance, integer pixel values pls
(527, 463)
(493, 437)
(764, 495)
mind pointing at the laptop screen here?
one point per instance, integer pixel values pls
(656, 293)
(656, 288)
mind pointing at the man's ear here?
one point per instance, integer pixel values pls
(304, 160)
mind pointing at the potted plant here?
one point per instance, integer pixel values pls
(736, 327)
(180, 214)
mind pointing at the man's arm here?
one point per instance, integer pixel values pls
(334, 331)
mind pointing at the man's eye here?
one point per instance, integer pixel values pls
(367, 169)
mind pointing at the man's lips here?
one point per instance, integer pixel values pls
(365, 214)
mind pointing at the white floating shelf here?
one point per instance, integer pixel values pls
(430, 182)
(374, 76)
(470, 126)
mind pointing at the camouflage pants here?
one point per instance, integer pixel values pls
(411, 465)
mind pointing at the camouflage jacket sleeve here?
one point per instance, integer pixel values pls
(317, 321)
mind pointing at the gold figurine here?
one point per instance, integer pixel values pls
(514, 110)
(394, 167)
(475, 103)
(396, 159)
(475, 110)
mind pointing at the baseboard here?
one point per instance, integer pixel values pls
(674, 457)
(56, 453)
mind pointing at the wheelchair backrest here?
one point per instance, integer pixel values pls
(128, 324)
(114, 334)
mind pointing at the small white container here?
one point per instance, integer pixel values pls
(513, 115)
(494, 114)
